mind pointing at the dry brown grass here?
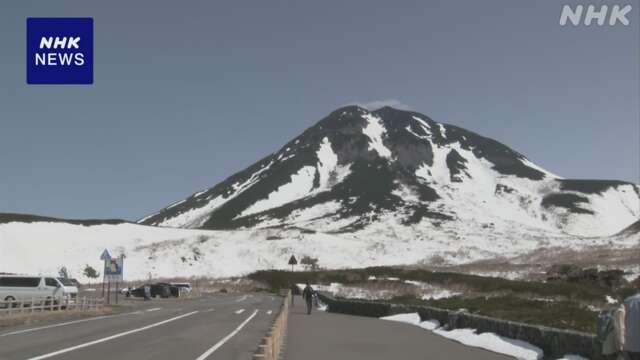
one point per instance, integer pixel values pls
(534, 265)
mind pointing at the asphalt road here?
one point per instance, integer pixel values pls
(217, 327)
(322, 336)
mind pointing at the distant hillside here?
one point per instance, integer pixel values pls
(27, 218)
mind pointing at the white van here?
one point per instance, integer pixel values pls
(40, 288)
(69, 289)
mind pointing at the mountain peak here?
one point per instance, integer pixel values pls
(356, 167)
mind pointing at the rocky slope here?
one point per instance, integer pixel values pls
(358, 169)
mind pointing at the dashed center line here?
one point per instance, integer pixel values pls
(239, 311)
(226, 338)
(153, 309)
(269, 312)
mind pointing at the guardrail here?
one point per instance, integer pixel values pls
(10, 308)
(272, 344)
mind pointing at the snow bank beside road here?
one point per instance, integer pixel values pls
(492, 342)
(488, 341)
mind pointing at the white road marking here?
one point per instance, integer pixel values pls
(243, 298)
(153, 309)
(108, 338)
(240, 311)
(209, 310)
(68, 323)
(269, 312)
(226, 338)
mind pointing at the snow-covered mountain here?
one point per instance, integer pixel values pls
(357, 169)
(359, 188)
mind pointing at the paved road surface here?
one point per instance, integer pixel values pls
(225, 327)
(322, 336)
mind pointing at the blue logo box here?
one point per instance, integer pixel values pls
(59, 50)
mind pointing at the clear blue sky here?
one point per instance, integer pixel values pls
(187, 93)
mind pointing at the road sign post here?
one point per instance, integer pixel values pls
(105, 257)
(113, 271)
(293, 261)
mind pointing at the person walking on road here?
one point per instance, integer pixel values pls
(307, 295)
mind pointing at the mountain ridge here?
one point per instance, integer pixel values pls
(358, 161)
(31, 218)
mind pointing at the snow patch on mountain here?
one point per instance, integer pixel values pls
(197, 216)
(375, 130)
(314, 212)
(301, 185)
(613, 207)
(329, 172)
(327, 162)
(443, 131)
(480, 194)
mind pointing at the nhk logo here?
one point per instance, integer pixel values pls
(577, 15)
(59, 50)
(57, 58)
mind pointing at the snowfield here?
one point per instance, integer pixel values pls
(43, 247)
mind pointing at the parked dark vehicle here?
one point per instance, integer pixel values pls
(163, 290)
(156, 291)
(173, 290)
